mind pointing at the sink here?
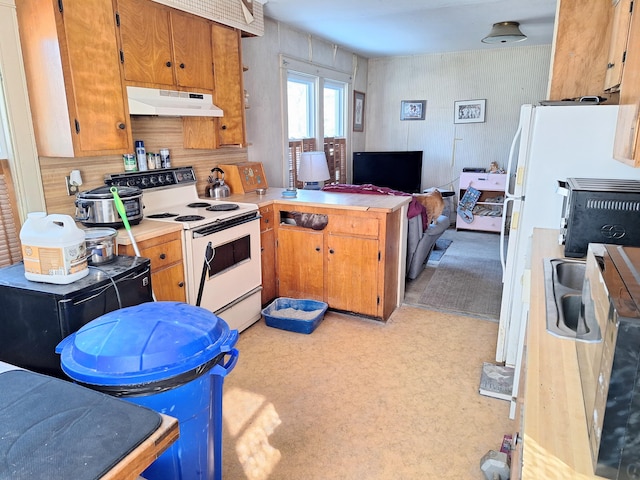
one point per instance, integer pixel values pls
(563, 280)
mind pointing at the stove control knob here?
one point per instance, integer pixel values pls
(145, 181)
(168, 178)
(154, 180)
(131, 182)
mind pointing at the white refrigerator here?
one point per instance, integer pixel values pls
(551, 143)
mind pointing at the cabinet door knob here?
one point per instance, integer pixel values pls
(224, 127)
(610, 65)
(163, 256)
(331, 251)
(317, 249)
(181, 284)
(266, 220)
(168, 64)
(182, 65)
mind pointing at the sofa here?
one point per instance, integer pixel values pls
(420, 242)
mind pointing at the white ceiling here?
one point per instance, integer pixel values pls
(380, 28)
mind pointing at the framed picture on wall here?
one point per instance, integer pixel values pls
(358, 111)
(469, 111)
(413, 109)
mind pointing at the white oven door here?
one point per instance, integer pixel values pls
(231, 272)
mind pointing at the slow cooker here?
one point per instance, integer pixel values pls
(96, 208)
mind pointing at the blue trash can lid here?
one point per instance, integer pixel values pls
(145, 343)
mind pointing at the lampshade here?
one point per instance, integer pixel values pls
(505, 32)
(313, 167)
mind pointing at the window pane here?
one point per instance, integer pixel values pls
(334, 109)
(300, 106)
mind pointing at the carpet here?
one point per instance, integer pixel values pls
(438, 249)
(468, 278)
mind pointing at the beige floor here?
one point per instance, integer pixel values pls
(359, 399)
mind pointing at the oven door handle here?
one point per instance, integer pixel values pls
(225, 224)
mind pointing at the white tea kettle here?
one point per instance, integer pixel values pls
(218, 188)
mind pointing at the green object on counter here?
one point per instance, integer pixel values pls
(120, 208)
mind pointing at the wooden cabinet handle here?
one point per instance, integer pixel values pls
(168, 64)
(163, 256)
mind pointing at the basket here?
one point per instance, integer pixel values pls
(295, 315)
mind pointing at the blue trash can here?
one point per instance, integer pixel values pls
(167, 356)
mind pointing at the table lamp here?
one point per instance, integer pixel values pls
(313, 170)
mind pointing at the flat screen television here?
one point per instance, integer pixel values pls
(397, 170)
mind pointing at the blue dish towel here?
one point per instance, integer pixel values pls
(468, 201)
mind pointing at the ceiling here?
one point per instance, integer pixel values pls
(381, 28)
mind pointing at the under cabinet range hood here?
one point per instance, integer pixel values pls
(171, 103)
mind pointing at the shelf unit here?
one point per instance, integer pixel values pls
(491, 186)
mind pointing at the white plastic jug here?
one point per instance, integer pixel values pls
(53, 249)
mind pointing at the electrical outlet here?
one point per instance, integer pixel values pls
(72, 189)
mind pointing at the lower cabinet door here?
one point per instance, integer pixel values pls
(352, 274)
(300, 259)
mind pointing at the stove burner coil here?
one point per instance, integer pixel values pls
(198, 205)
(223, 207)
(189, 218)
(162, 215)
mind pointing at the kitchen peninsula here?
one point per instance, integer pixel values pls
(355, 263)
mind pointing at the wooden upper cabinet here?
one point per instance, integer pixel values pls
(581, 49)
(229, 89)
(164, 47)
(192, 51)
(618, 47)
(626, 146)
(73, 76)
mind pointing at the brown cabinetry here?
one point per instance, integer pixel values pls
(163, 47)
(352, 264)
(268, 254)
(581, 49)
(167, 272)
(229, 89)
(626, 140)
(73, 76)
(618, 47)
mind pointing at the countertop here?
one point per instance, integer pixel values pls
(148, 228)
(555, 429)
(319, 198)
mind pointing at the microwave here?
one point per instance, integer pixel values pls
(610, 368)
(599, 210)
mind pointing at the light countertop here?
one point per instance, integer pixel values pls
(555, 430)
(319, 198)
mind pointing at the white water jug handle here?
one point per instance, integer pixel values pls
(65, 220)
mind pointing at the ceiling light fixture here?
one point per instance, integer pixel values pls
(505, 32)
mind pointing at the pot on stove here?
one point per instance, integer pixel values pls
(96, 208)
(218, 188)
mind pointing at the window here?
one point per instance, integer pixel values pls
(316, 116)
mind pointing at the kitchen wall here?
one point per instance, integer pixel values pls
(157, 132)
(266, 123)
(505, 77)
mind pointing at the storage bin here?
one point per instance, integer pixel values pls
(295, 315)
(167, 356)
